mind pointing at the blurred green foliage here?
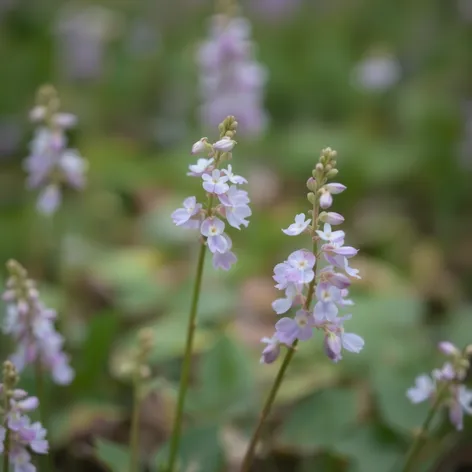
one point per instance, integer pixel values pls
(111, 260)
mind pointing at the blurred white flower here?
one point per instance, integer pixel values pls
(376, 73)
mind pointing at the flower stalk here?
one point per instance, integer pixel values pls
(139, 371)
(421, 435)
(185, 375)
(223, 201)
(445, 388)
(302, 280)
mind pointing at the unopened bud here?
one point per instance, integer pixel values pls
(311, 184)
(311, 198)
(200, 146)
(448, 348)
(468, 350)
(331, 218)
(332, 173)
(225, 144)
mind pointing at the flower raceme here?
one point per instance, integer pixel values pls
(446, 384)
(231, 80)
(302, 278)
(225, 199)
(50, 163)
(31, 325)
(23, 436)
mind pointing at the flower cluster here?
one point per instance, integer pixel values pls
(301, 278)
(19, 435)
(225, 199)
(445, 385)
(31, 325)
(231, 81)
(51, 164)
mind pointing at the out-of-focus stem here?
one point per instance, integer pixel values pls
(184, 377)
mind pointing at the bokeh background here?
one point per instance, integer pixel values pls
(386, 84)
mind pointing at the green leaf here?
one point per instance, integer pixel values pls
(459, 331)
(102, 329)
(372, 449)
(397, 349)
(115, 456)
(199, 447)
(226, 383)
(320, 420)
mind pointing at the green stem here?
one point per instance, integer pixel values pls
(6, 453)
(249, 457)
(418, 442)
(184, 378)
(134, 434)
(6, 449)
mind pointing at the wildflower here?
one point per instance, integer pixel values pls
(215, 183)
(445, 386)
(299, 226)
(213, 229)
(302, 280)
(225, 144)
(51, 165)
(202, 166)
(225, 201)
(271, 351)
(331, 218)
(226, 259)
(183, 215)
(30, 323)
(231, 81)
(200, 146)
(300, 327)
(22, 434)
(326, 199)
(234, 179)
(330, 236)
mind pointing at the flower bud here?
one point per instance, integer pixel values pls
(331, 218)
(448, 348)
(225, 144)
(311, 184)
(332, 173)
(311, 198)
(468, 350)
(200, 146)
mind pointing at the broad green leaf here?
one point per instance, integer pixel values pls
(371, 449)
(459, 329)
(200, 447)
(91, 365)
(320, 420)
(115, 456)
(225, 380)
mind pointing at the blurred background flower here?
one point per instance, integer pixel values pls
(385, 84)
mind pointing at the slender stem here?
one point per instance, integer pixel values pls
(249, 457)
(267, 407)
(184, 378)
(134, 434)
(418, 442)
(6, 444)
(6, 451)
